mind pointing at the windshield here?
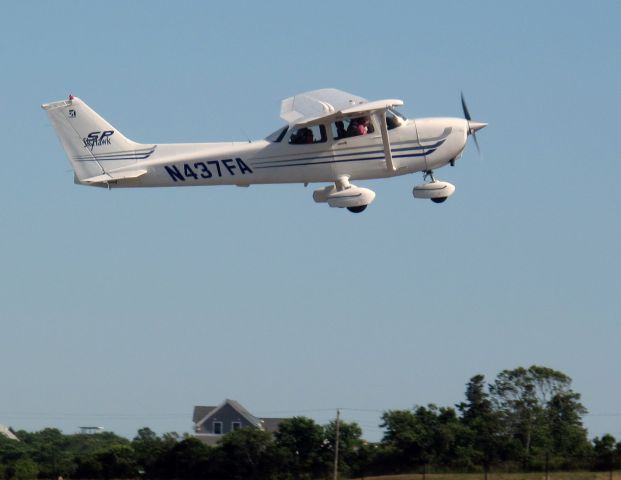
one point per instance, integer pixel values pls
(394, 119)
(397, 113)
(277, 136)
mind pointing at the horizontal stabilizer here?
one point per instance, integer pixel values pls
(114, 177)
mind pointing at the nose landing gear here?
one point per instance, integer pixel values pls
(436, 191)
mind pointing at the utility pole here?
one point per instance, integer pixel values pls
(336, 444)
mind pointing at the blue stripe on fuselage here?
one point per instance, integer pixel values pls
(427, 150)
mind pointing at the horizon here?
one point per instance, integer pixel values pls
(129, 307)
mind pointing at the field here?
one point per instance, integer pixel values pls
(505, 476)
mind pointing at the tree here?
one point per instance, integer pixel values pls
(349, 444)
(85, 444)
(606, 453)
(25, 469)
(300, 443)
(87, 466)
(11, 451)
(404, 447)
(117, 461)
(50, 449)
(150, 451)
(428, 435)
(568, 436)
(187, 459)
(522, 397)
(247, 453)
(478, 403)
(482, 422)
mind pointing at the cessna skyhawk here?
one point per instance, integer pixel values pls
(331, 136)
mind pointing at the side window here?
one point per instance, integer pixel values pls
(308, 135)
(217, 428)
(235, 426)
(352, 127)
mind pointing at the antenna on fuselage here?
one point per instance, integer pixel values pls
(245, 135)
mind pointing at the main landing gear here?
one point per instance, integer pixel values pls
(345, 195)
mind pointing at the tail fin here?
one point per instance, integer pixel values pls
(94, 147)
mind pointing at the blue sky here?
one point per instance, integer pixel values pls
(127, 308)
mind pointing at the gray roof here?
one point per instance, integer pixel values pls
(238, 406)
(5, 432)
(201, 412)
(271, 424)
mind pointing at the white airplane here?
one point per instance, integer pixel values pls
(330, 136)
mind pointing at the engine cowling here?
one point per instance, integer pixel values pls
(436, 190)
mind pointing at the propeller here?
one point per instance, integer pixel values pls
(472, 126)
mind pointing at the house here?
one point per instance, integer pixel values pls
(6, 432)
(211, 423)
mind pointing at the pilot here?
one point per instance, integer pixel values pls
(358, 126)
(308, 136)
(302, 136)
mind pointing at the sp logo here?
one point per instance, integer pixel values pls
(97, 139)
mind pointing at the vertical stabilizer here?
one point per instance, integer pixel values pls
(93, 146)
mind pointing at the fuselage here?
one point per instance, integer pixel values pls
(416, 145)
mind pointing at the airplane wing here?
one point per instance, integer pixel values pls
(316, 103)
(366, 108)
(310, 107)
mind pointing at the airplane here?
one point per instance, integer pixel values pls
(330, 136)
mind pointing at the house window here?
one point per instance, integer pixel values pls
(235, 426)
(217, 428)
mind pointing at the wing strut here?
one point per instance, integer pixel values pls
(384, 128)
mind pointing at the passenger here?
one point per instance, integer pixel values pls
(358, 126)
(363, 125)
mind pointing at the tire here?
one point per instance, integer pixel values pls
(359, 209)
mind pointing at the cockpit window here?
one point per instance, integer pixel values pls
(352, 127)
(278, 135)
(308, 135)
(394, 119)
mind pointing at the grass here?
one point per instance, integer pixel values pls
(504, 476)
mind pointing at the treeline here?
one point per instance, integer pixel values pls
(525, 420)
